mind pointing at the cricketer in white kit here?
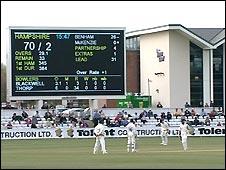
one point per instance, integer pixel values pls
(131, 134)
(99, 132)
(164, 131)
(183, 133)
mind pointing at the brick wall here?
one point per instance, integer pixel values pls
(132, 74)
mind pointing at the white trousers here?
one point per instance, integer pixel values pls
(131, 143)
(184, 141)
(164, 137)
(100, 142)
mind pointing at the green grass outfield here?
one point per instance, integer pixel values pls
(203, 153)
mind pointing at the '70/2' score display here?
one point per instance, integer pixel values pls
(67, 62)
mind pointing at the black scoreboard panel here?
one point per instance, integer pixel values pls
(55, 62)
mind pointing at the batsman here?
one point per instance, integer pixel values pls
(131, 134)
(164, 131)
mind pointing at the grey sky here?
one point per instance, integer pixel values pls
(133, 15)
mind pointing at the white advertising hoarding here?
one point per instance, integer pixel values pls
(45, 133)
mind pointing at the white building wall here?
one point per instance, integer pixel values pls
(149, 65)
(206, 76)
(211, 75)
(179, 66)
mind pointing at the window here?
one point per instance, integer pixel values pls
(218, 76)
(196, 74)
(133, 43)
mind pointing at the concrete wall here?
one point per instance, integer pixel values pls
(179, 66)
(149, 65)
(206, 76)
(174, 85)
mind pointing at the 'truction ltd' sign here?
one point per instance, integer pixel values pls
(110, 132)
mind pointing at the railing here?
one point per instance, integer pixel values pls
(109, 111)
(174, 122)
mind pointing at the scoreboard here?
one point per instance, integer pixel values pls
(67, 62)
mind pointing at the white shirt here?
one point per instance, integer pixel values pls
(184, 129)
(164, 126)
(131, 129)
(99, 129)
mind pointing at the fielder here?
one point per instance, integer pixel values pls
(100, 135)
(131, 134)
(164, 131)
(183, 133)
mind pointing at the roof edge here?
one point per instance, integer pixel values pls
(218, 43)
(171, 27)
(193, 35)
(217, 34)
